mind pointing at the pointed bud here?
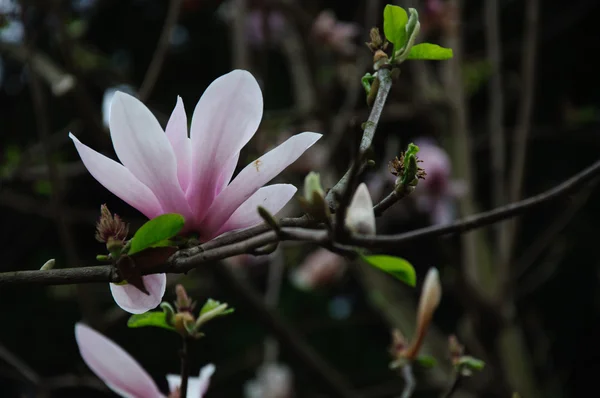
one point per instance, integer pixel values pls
(111, 229)
(376, 41)
(312, 185)
(360, 217)
(183, 302)
(48, 265)
(313, 202)
(429, 301)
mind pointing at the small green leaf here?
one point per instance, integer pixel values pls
(156, 231)
(426, 361)
(394, 25)
(153, 318)
(211, 305)
(396, 266)
(471, 363)
(429, 51)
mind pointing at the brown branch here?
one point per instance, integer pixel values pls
(161, 51)
(188, 259)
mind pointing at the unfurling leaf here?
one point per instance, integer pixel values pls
(396, 266)
(156, 231)
(394, 25)
(153, 318)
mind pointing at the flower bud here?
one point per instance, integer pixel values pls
(183, 302)
(313, 201)
(360, 217)
(429, 301)
(48, 265)
(110, 229)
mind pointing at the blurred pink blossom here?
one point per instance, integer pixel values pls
(320, 268)
(335, 34)
(255, 27)
(436, 193)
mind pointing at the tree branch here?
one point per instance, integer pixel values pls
(188, 259)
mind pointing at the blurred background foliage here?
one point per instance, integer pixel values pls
(105, 44)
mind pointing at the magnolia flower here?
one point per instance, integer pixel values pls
(124, 375)
(169, 172)
(436, 193)
(338, 35)
(318, 269)
(360, 217)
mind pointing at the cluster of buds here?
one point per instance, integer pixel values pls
(464, 365)
(403, 352)
(182, 318)
(407, 170)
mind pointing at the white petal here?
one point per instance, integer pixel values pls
(115, 367)
(226, 117)
(197, 386)
(144, 149)
(177, 135)
(272, 198)
(254, 176)
(118, 180)
(134, 301)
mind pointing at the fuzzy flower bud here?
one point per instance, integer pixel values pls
(360, 217)
(110, 229)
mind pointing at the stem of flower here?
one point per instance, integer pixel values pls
(409, 381)
(185, 368)
(454, 386)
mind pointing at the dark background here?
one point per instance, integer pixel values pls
(557, 305)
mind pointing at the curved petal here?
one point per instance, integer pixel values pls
(144, 149)
(272, 198)
(226, 173)
(134, 301)
(177, 135)
(115, 367)
(225, 118)
(254, 176)
(197, 386)
(118, 180)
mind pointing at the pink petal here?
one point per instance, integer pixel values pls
(254, 176)
(197, 386)
(177, 135)
(225, 118)
(115, 367)
(144, 149)
(134, 301)
(227, 173)
(272, 198)
(118, 180)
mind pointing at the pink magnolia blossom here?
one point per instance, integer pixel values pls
(435, 194)
(319, 268)
(165, 171)
(338, 35)
(123, 374)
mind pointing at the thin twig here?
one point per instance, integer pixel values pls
(161, 51)
(17, 363)
(385, 84)
(454, 386)
(519, 152)
(496, 119)
(409, 381)
(185, 367)
(387, 202)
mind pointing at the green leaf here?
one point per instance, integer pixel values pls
(426, 361)
(211, 305)
(471, 363)
(396, 266)
(394, 25)
(429, 51)
(154, 318)
(156, 231)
